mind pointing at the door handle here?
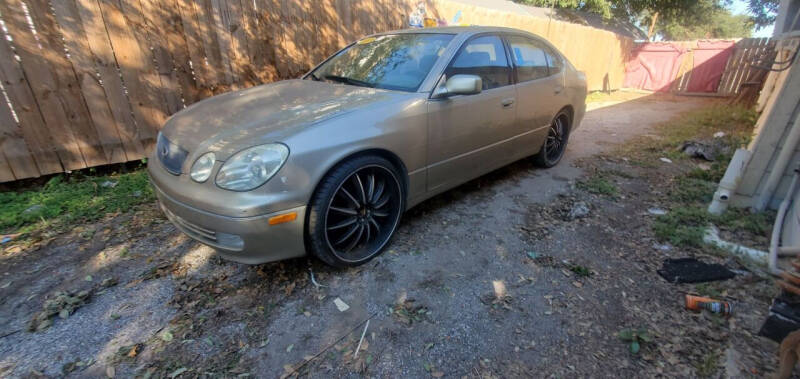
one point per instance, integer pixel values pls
(558, 89)
(507, 102)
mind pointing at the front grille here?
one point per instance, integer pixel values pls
(170, 155)
(208, 236)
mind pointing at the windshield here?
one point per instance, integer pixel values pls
(397, 62)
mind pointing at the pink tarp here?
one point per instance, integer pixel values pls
(653, 66)
(710, 58)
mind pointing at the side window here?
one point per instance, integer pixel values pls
(530, 58)
(554, 61)
(485, 57)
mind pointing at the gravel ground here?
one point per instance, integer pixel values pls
(478, 282)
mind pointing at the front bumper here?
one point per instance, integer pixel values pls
(249, 240)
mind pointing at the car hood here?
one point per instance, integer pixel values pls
(228, 123)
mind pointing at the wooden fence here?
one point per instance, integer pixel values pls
(90, 82)
(738, 72)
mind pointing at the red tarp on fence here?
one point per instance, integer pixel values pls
(653, 66)
(710, 59)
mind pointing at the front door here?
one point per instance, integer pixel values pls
(469, 135)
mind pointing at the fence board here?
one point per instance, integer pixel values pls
(191, 28)
(15, 158)
(42, 83)
(68, 90)
(100, 45)
(146, 23)
(92, 91)
(138, 73)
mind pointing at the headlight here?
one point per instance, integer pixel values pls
(252, 167)
(201, 169)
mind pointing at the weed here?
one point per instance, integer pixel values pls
(636, 337)
(707, 290)
(598, 184)
(65, 200)
(581, 271)
(707, 366)
(682, 226)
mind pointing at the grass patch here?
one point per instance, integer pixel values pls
(682, 226)
(600, 185)
(68, 199)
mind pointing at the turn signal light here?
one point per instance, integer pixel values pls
(280, 219)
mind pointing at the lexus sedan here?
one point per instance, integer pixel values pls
(327, 164)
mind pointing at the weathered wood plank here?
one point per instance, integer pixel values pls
(68, 89)
(100, 45)
(208, 37)
(175, 43)
(190, 25)
(146, 22)
(43, 85)
(138, 73)
(92, 91)
(16, 161)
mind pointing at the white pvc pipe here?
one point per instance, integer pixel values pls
(730, 181)
(776, 173)
(778, 227)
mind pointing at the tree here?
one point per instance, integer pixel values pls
(763, 12)
(721, 24)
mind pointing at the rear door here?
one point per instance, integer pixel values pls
(469, 135)
(539, 88)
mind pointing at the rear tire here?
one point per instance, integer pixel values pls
(355, 211)
(555, 145)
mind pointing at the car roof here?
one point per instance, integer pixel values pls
(457, 30)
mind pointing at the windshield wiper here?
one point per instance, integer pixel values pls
(315, 77)
(346, 80)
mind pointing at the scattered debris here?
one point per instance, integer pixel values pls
(579, 210)
(636, 337)
(532, 255)
(665, 160)
(700, 150)
(108, 184)
(662, 246)
(691, 270)
(314, 280)
(33, 209)
(340, 305)
(364, 333)
(719, 134)
(408, 312)
(783, 318)
(8, 238)
(698, 303)
(63, 304)
(657, 211)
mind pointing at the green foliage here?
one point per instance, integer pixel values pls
(682, 226)
(598, 184)
(65, 200)
(763, 12)
(602, 7)
(636, 337)
(716, 23)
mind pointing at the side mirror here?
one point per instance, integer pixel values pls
(459, 85)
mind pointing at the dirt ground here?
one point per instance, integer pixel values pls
(490, 279)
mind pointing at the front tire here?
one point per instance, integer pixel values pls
(355, 211)
(556, 142)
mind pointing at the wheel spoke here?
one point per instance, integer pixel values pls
(366, 226)
(371, 187)
(361, 189)
(350, 197)
(378, 192)
(375, 224)
(355, 240)
(347, 235)
(349, 211)
(380, 214)
(346, 222)
(383, 202)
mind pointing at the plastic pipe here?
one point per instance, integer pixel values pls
(776, 173)
(730, 181)
(777, 229)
